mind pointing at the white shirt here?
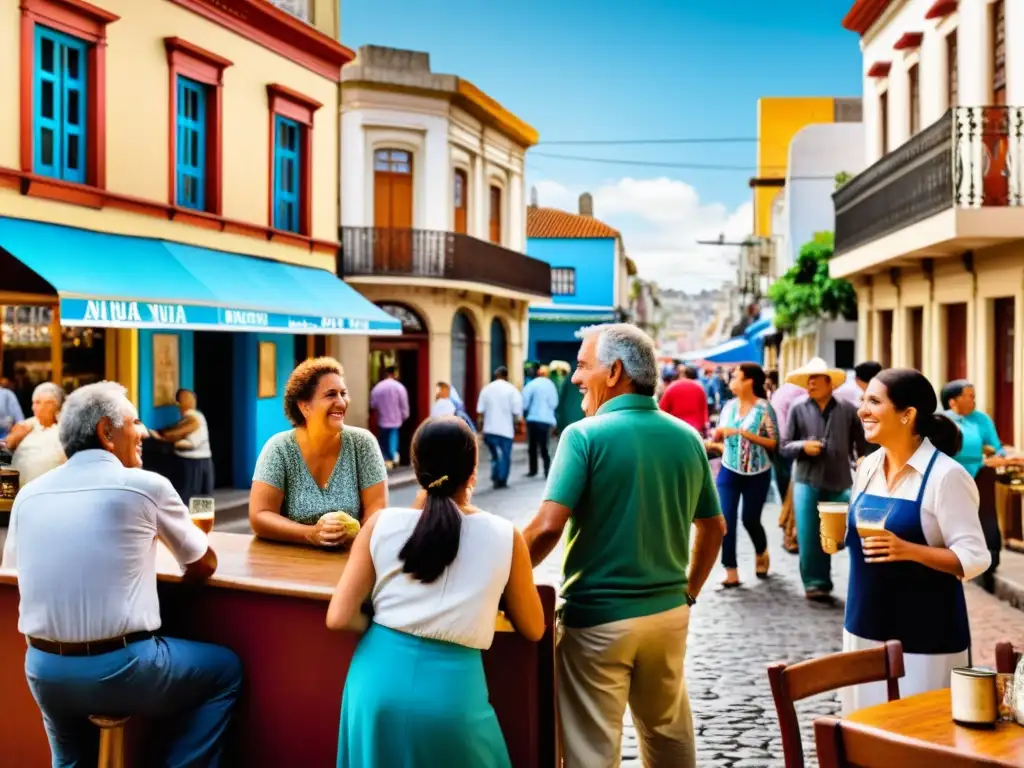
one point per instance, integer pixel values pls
(461, 605)
(83, 538)
(199, 439)
(949, 508)
(38, 452)
(500, 403)
(442, 407)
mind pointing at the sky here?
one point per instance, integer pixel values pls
(635, 70)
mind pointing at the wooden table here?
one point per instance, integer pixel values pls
(268, 603)
(928, 717)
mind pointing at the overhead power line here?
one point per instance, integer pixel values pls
(623, 142)
(658, 164)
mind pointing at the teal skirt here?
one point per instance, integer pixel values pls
(416, 703)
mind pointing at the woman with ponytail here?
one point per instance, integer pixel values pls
(906, 574)
(750, 434)
(415, 695)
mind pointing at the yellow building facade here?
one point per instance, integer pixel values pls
(169, 179)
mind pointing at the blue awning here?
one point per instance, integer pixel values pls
(116, 281)
(735, 350)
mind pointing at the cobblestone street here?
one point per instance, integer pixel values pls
(735, 634)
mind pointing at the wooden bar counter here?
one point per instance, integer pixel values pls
(268, 603)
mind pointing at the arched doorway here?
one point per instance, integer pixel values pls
(499, 345)
(410, 354)
(464, 365)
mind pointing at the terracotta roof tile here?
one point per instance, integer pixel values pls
(553, 223)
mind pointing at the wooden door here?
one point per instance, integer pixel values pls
(460, 190)
(917, 338)
(392, 210)
(885, 335)
(496, 215)
(1003, 366)
(956, 342)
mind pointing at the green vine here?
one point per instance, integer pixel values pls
(808, 292)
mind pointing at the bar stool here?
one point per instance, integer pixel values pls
(111, 740)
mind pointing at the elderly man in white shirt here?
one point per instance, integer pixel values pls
(500, 408)
(83, 539)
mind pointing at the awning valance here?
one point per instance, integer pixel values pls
(117, 281)
(735, 350)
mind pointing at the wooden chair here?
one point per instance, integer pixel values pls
(842, 744)
(112, 752)
(1006, 657)
(808, 678)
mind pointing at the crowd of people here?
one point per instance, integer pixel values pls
(630, 485)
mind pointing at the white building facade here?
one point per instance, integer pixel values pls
(932, 233)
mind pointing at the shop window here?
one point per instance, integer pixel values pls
(563, 281)
(191, 140)
(60, 105)
(287, 173)
(291, 159)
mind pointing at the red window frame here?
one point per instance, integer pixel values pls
(295, 106)
(195, 63)
(87, 22)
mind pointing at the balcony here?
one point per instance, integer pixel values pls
(424, 253)
(957, 185)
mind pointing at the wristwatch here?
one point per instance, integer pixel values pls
(690, 599)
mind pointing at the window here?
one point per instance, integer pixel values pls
(883, 120)
(461, 186)
(952, 70)
(913, 75)
(291, 159)
(495, 215)
(392, 161)
(191, 141)
(998, 53)
(300, 9)
(287, 171)
(563, 281)
(196, 85)
(60, 106)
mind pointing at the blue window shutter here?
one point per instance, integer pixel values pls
(287, 173)
(59, 105)
(190, 144)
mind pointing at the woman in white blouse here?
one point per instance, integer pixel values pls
(415, 695)
(906, 581)
(35, 442)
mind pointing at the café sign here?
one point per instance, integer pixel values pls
(108, 313)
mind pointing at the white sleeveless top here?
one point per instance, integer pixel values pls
(200, 439)
(462, 604)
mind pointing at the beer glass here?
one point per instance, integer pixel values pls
(201, 509)
(870, 520)
(832, 521)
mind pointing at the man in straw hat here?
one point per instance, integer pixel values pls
(823, 435)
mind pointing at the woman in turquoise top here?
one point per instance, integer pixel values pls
(750, 433)
(320, 466)
(979, 438)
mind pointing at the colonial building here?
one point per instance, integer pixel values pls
(168, 204)
(433, 227)
(933, 231)
(590, 275)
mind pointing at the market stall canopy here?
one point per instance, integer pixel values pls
(736, 350)
(105, 280)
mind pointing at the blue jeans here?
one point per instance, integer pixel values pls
(753, 490)
(194, 683)
(388, 440)
(815, 565)
(501, 457)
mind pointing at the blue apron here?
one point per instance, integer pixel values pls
(922, 608)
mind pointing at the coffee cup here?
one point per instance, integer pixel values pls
(832, 516)
(973, 696)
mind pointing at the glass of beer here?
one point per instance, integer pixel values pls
(871, 520)
(201, 508)
(832, 517)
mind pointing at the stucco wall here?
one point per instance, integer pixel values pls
(137, 120)
(594, 261)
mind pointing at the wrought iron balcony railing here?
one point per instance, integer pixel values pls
(381, 251)
(972, 157)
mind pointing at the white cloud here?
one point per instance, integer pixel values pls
(661, 221)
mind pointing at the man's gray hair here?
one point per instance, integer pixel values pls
(49, 389)
(84, 409)
(631, 347)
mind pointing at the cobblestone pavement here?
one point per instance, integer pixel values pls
(735, 634)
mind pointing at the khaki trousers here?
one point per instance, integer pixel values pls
(636, 661)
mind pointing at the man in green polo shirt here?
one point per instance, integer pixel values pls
(630, 481)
